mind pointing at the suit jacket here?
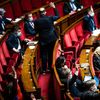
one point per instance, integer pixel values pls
(64, 76)
(3, 22)
(12, 41)
(67, 7)
(28, 28)
(89, 23)
(96, 62)
(44, 26)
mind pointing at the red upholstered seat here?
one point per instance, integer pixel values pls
(2, 58)
(16, 8)
(87, 3)
(36, 3)
(1, 79)
(75, 38)
(50, 11)
(69, 45)
(26, 6)
(1, 69)
(9, 12)
(69, 57)
(7, 54)
(80, 32)
(6, 64)
(59, 6)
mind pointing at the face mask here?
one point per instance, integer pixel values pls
(72, 0)
(31, 19)
(92, 14)
(19, 34)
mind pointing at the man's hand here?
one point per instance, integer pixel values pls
(16, 50)
(52, 5)
(27, 40)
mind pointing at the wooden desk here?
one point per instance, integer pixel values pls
(84, 58)
(28, 76)
(90, 41)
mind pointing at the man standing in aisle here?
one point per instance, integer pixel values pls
(47, 36)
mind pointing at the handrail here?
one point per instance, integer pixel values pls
(3, 3)
(91, 62)
(57, 77)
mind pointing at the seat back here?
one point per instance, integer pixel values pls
(9, 11)
(16, 8)
(50, 11)
(79, 29)
(1, 69)
(73, 35)
(23, 35)
(59, 6)
(67, 40)
(2, 58)
(26, 6)
(36, 3)
(5, 49)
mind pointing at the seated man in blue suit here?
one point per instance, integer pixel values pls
(3, 21)
(29, 24)
(89, 23)
(71, 6)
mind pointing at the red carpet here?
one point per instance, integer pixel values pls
(44, 84)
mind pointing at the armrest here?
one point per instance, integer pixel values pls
(69, 96)
(68, 53)
(87, 32)
(72, 48)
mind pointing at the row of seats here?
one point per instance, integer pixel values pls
(7, 59)
(17, 8)
(74, 40)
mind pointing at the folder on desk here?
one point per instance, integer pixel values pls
(86, 78)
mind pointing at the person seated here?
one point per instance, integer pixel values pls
(89, 23)
(29, 24)
(71, 6)
(73, 83)
(96, 59)
(10, 89)
(4, 21)
(14, 44)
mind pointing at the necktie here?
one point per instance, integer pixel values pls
(32, 24)
(93, 24)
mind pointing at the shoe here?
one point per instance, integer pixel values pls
(48, 70)
(43, 72)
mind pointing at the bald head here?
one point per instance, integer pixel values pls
(97, 50)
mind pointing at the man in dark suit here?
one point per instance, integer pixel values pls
(89, 23)
(13, 41)
(15, 45)
(3, 21)
(96, 59)
(71, 7)
(47, 36)
(29, 24)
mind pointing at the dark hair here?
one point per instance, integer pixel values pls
(59, 61)
(16, 27)
(9, 77)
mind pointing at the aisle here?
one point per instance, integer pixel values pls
(45, 82)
